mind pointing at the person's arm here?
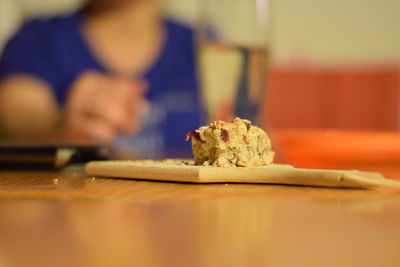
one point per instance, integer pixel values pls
(27, 103)
(98, 107)
(27, 107)
(101, 106)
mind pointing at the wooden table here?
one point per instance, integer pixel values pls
(69, 219)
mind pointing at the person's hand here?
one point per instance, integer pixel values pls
(101, 106)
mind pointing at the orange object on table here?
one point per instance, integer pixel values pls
(340, 149)
(352, 97)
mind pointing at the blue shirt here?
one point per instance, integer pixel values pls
(55, 51)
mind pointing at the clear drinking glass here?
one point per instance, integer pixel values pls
(232, 50)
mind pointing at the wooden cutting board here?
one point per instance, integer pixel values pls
(179, 171)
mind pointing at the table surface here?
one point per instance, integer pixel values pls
(69, 219)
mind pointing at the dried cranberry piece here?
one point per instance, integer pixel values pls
(248, 125)
(224, 135)
(195, 135)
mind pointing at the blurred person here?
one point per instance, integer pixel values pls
(113, 68)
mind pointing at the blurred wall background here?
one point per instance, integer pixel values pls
(336, 31)
(14, 12)
(333, 31)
